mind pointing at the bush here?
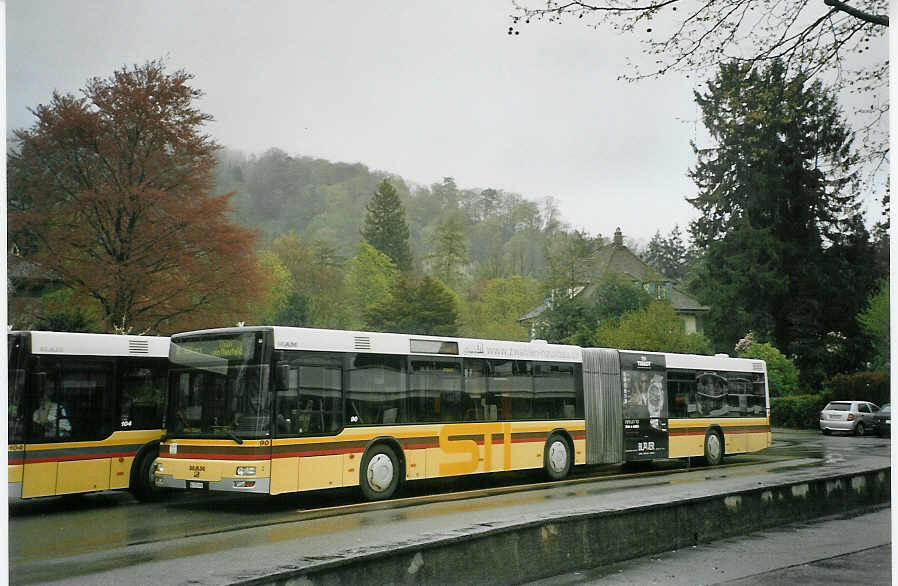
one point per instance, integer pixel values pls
(803, 411)
(798, 411)
(870, 386)
(782, 375)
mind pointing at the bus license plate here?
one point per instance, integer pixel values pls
(196, 484)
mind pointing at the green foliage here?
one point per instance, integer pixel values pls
(369, 281)
(782, 376)
(568, 262)
(75, 319)
(495, 306)
(670, 255)
(294, 311)
(574, 321)
(870, 386)
(426, 307)
(616, 297)
(797, 411)
(656, 328)
(316, 274)
(450, 252)
(874, 322)
(385, 227)
(803, 411)
(278, 287)
(785, 248)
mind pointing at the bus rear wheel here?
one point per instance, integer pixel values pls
(557, 457)
(379, 473)
(713, 448)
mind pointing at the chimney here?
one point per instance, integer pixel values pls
(618, 237)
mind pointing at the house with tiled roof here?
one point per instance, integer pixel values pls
(616, 261)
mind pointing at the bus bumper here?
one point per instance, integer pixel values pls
(212, 475)
(257, 485)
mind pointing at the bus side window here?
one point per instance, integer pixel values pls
(510, 381)
(320, 401)
(76, 397)
(376, 392)
(142, 387)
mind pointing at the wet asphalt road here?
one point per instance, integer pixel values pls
(44, 534)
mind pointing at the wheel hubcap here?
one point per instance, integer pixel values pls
(713, 446)
(558, 456)
(380, 472)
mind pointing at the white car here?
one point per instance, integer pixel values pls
(853, 416)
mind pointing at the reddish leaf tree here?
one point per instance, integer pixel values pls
(111, 194)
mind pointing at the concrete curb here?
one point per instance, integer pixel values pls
(539, 549)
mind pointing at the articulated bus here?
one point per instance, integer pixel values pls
(85, 412)
(275, 410)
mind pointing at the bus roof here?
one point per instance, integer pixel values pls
(81, 344)
(322, 340)
(718, 362)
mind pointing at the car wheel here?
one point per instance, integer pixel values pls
(859, 428)
(826, 431)
(379, 473)
(713, 448)
(557, 457)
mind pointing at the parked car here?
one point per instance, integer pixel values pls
(882, 420)
(851, 416)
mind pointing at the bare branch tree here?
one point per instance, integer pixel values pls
(694, 37)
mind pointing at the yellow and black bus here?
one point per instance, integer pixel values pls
(275, 409)
(85, 412)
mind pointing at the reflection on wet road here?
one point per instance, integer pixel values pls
(111, 530)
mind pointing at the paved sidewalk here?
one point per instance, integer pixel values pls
(836, 551)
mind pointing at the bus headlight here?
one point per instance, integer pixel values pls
(158, 469)
(246, 470)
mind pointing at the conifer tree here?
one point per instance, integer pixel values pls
(385, 227)
(778, 207)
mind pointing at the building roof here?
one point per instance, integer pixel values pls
(616, 260)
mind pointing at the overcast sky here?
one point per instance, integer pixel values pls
(424, 90)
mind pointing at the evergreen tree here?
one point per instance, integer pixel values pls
(427, 307)
(670, 255)
(777, 202)
(385, 227)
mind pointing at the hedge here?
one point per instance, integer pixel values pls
(803, 411)
(799, 411)
(870, 386)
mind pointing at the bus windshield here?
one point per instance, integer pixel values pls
(218, 387)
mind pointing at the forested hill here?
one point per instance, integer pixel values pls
(499, 233)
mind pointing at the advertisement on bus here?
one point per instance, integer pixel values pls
(644, 387)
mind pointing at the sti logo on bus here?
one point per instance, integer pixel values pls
(462, 439)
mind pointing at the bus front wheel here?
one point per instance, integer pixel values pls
(379, 476)
(143, 481)
(557, 457)
(713, 448)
